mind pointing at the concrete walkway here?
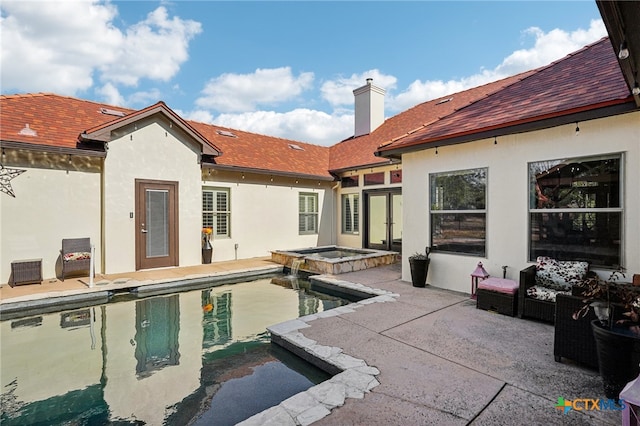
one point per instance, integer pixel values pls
(441, 361)
(434, 358)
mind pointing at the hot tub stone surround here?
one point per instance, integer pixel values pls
(314, 262)
(353, 378)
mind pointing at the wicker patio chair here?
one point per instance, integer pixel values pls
(76, 256)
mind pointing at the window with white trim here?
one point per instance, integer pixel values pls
(216, 211)
(458, 211)
(350, 213)
(307, 213)
(576, 211)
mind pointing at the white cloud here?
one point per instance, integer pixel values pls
(300, 124)
(154, 48)
(548, 47)
(232, 92)
(340, 91)
(243, 92)
(111, 95)
(61, 46)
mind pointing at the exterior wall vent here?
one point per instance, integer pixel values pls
(226, 133)
(27, 131)
(108, 111)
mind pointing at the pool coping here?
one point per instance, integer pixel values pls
(352, 377)
(103, 290)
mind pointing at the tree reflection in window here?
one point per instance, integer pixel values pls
(575, 209)
(458, 215)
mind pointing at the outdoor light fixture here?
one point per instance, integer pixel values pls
(577, 129)
(495, 140)
(436, 150)
(636, 89)
(623, 53)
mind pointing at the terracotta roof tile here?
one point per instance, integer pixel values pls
(270, 154)
(355, 152)
(587, 79)
(57, 120)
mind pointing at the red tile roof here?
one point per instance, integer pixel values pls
(584, 80)
(355, 152)
(57, 120)
(266, 153)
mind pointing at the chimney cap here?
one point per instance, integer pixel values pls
(369, 80)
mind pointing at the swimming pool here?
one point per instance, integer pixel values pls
(170, 359)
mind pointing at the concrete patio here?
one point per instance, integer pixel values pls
(440, 360)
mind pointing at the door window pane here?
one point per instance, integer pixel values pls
(157, 216)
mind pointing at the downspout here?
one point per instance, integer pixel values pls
(334, 233)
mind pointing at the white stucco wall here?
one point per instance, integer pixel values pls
(54, 199)
(264, 214)
(507, 192)
(151, 151)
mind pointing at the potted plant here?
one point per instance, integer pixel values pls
(617, 329)
(207, 249)
(419, 264)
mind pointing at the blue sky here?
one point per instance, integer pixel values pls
(285, 69)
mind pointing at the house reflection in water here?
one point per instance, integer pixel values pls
(157, 329)
(137, 361)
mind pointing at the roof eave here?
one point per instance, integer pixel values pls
(621, 20)
(103, 133)
(266, 172)
(87, 152)
(532, 124)
(383, 163)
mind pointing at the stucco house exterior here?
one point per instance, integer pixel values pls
(546, 166)
(143, 183)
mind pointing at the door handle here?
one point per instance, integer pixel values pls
(144, 231)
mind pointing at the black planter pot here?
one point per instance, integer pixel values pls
(618, 357)
(206, 255)
(419, 270)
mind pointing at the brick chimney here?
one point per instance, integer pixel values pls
(369, 108)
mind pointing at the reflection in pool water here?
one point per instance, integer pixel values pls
(174, 359)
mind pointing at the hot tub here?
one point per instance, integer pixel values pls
(332, 259)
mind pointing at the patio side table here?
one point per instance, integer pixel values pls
(27, 271)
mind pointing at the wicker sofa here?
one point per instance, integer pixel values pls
(541, 283)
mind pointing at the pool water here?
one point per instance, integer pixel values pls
(197, 357)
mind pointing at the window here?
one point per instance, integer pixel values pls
(458, 211)
(374, 178)
(216, 213)
(308, 213)
(350, 213)
(575, 210)
(349, 181)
